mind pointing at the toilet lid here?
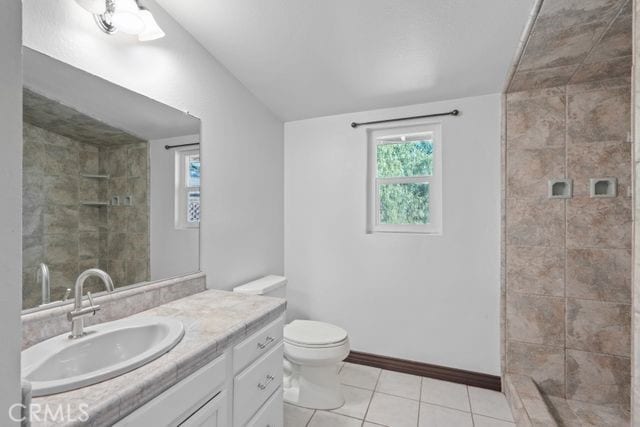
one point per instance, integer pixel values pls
(312, 333)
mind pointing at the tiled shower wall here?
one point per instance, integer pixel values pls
(69, 236)
(568, 261)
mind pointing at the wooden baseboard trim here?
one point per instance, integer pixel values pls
(454, 375)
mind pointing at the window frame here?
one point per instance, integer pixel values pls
(182, 191)
(376, 137)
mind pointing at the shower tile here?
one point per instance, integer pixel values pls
(118, 187)
(89, 159)
(566, 46)
(617, 41)
(137, 187)
(61, 190)
(137, 270)
(599, 159)
(612, 68)
(536, 270)
(61, 219)
(599, 326)
(598, 378)
(536, 122)
(530, 169)
(137, 162)
(89, 190)
(33, 220)
(32, 249)
(599, 223)
(532, 222)
(60, 160)
(116, 162)
(116, 244)
(89, 218)
(138, 219)
(137, 245)
(89, 245)
(541, 78)
(599, 274)
(599, 115)
(117, 218)
(544, 364)
(32, 194)
(60, 248)
(535, 319)
(566, 13)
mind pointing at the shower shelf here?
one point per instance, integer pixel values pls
(94, 176)
(95, 203)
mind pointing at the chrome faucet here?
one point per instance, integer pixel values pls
(76, 317)
(42, 274)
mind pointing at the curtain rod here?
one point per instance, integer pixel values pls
(169, 147)
(449, 113)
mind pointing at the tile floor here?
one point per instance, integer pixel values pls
(376, 397)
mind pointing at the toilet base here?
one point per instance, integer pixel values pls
(315, 387)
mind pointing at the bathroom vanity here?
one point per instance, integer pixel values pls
(226, 370)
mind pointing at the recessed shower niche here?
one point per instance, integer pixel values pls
(603, 187)
(560, 188)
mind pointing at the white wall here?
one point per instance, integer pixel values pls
(173, 252)
(242, 184)
(11, 207)
(433, 299)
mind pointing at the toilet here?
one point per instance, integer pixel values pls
(312, 352)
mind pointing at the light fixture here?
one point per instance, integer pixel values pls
(123, 15)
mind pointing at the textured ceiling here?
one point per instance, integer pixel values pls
(308, 58)
(576, 41)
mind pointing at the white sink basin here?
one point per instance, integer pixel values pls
(110, 349)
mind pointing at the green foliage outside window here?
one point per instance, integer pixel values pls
(404, 203)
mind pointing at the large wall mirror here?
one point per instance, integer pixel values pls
(111, 180)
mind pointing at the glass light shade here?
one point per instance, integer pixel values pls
(126, 17)
(152, 30)
(97, 7)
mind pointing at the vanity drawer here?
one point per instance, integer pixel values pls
(256, 384)
(181, 400)
(271, 414)
(257, 344)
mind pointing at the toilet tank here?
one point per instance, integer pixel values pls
(270, 286)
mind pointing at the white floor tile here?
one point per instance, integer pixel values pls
(356, 402)
(444, 393)
(329, 419)
(393, 411)
(399, 384)
(439, 416)
(480, 421)
(359, 376)
(490, 403)
(294, 416)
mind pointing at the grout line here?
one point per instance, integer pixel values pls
(566, 225)
(420, 399)
(372, 394)
(621, 7)
(310, 418)
(473, 423)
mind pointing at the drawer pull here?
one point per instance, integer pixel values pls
(270, 378)
(268, 340)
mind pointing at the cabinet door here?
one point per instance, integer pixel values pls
(271, 414)
(212, 414)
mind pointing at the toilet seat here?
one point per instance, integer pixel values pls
(314, 334)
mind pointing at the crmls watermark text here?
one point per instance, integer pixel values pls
(48, 413)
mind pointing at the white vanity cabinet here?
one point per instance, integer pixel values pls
(242, 387)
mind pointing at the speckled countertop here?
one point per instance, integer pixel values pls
(213, 321)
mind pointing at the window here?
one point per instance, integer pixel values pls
(187, 206)
(405, 173)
